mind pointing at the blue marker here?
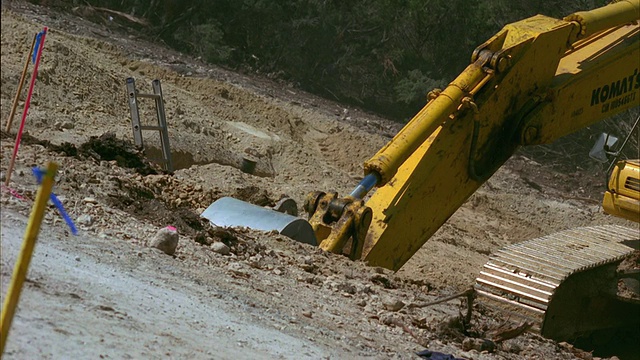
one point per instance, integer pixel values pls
(36, 48)
(39, 173)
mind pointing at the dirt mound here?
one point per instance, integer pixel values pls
(106, 147)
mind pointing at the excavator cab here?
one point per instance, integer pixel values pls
(622, 197)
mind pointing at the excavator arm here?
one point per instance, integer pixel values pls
(535, 81)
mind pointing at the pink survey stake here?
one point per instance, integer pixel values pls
(29, 94)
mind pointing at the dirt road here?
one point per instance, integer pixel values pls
(125, 305)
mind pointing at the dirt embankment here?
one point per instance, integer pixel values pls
(320, 304)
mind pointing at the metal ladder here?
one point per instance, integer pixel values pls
(162, 121)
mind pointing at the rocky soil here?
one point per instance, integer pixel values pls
(229, 293)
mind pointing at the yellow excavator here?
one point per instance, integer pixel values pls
(535, 81)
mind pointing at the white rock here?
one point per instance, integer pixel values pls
(85, 219)
(392, 304)
(166, 239)
(220, 248)
(90, 200)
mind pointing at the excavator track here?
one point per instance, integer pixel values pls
(556, 277)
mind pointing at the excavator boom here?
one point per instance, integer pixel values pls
(535, 81)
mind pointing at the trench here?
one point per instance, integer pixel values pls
(184, 160)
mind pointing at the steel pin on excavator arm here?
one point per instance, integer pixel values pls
(340, 224)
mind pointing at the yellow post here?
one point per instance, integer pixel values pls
(24, 258)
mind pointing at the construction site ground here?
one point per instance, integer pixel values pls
(106, 294)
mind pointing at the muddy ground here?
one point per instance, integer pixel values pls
(105, 293)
